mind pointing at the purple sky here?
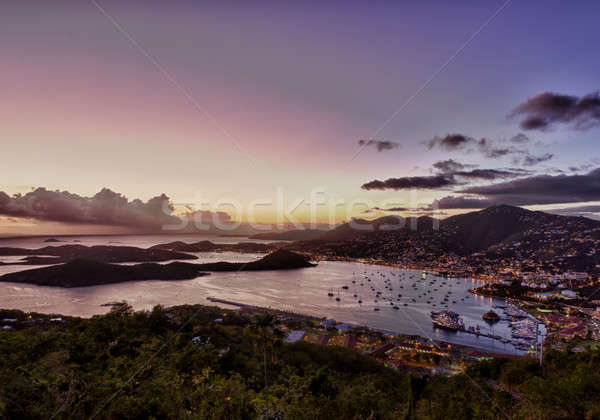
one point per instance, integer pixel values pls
(289, 90)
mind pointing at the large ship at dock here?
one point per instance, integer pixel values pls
(447, 320)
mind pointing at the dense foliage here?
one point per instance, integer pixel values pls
(145, 365)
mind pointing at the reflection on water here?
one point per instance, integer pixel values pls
(305, 291)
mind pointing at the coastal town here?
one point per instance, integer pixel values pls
(548, 271)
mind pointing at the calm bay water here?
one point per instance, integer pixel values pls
(304, 290)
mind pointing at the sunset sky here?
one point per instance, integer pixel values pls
(225, 100)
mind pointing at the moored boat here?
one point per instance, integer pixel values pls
(491, 316)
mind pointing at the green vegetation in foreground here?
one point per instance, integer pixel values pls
(144, 365)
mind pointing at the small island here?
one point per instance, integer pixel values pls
(98, 253)
(208, 246)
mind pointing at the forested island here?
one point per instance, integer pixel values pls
(177, 250)
(81, 272)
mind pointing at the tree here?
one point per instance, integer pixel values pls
(264, 324)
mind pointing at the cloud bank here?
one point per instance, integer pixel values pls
(516, 146)
(104, 208)
(419, 182)
(447, 177)
(380, 145)
(531, 160)
(450, 165)
(542, 189)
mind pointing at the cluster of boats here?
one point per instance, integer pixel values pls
(452, 321)
(513, 311)
(392, 282)
(524, 329)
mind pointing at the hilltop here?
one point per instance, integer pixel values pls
(482, 229)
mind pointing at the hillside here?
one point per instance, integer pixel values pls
(178, 363)
(480, 230)
(464, 233)
(482, 242)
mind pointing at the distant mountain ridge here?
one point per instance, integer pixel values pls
(208, 246)
(99, 253)
(290, 235)
(463, 233)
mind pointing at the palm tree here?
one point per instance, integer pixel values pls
(264, 324)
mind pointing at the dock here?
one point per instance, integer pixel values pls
(259, 308)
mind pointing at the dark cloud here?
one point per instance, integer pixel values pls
(392, 209)
(583, 167)
(542, 189)
(454, 142)
(488, 174)
(533, 123)
(450, 165)
(419, 182)
(446, 178)
(496, 152)
(547, 109)
(104, 208)
(520, 139)
(453, 202)
(519, 171)
(381, 145)
(530, 160)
